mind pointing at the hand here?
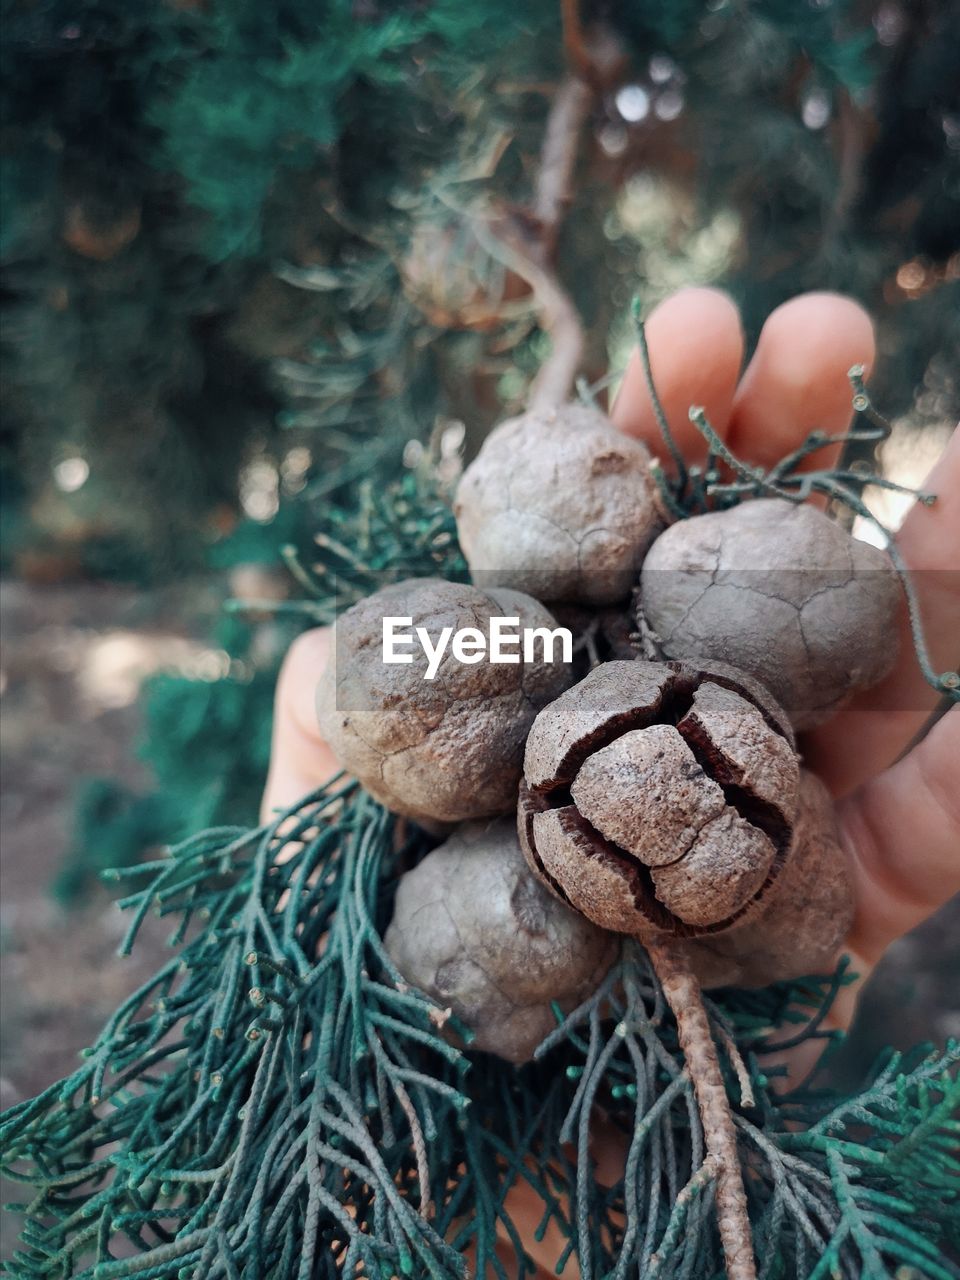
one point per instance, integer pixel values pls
(900, 821)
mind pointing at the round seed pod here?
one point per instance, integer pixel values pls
(660, 799)
(447, 749)
(475, 930)
(559, 504)
(806, 915)
(783, 592)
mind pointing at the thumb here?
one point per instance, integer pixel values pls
(903, 829)
(300, 759)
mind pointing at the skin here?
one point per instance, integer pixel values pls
(898, 804)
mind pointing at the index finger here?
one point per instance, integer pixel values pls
(796, 381)
(696, 349)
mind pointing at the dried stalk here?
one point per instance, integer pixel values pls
(523, 243)
(559, 317)
(531, 238)
(682, 991)
(554, 188)
(525, 240)
(558, 314)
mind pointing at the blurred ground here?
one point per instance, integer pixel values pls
(73, 659)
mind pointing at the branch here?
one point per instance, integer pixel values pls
(528, 238)
(532, 237)
(574, 40)
(850, 149)
(552, 195)
(560, 318)
(510, 243)
(553, 191)
(683, 995)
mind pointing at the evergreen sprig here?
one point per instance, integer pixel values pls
(277, 1102)
(403, 529)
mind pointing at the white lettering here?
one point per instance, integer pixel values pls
(548, 639)
(391, 640)
(498, 641)
(469, 645)
(434, 653)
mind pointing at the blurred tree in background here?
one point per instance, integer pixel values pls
(252, 252)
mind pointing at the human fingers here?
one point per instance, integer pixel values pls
(796, 381)
(300, 759)
(903, 831)
(696, 350)
(901, 834)
(879, 724)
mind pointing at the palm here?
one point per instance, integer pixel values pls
(901, 821)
